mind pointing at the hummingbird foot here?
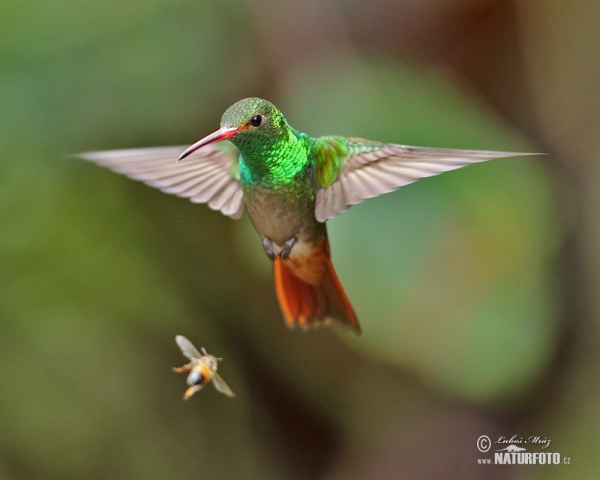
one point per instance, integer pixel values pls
(269, 248)
(284, 254)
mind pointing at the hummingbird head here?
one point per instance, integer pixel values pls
(253, 116)
(251, 122)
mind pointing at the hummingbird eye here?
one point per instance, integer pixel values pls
(256, 120)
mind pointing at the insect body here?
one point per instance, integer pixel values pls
(202, 368)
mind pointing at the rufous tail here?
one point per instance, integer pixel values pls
(316, 302)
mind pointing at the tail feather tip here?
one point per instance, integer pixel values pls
(307, 306)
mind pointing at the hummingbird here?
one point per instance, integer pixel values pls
(290, 184)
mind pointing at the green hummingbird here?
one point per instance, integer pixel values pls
(291, 184)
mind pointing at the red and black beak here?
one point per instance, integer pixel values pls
(221, 134)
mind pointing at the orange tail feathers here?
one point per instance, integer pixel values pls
(312, 304)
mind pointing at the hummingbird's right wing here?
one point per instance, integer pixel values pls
(351, 170)
(209, 175)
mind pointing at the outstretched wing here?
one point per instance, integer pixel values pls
(209, 175)
(187, 348)
(221, 386)
(351, 170)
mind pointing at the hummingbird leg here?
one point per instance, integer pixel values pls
(284, 254)
(269, 248)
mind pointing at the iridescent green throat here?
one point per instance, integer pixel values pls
(272, 161)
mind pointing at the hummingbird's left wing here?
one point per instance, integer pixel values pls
(209, 175)
(351, 170)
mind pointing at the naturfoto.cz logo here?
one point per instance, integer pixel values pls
(515, 454)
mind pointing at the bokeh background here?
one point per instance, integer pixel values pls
(476, 290)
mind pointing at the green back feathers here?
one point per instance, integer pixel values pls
(332, 154)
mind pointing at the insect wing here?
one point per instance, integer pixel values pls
(187, 348)
(221, 386)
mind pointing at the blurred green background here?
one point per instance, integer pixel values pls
(476, 290)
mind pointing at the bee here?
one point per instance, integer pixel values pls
(202, 368)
